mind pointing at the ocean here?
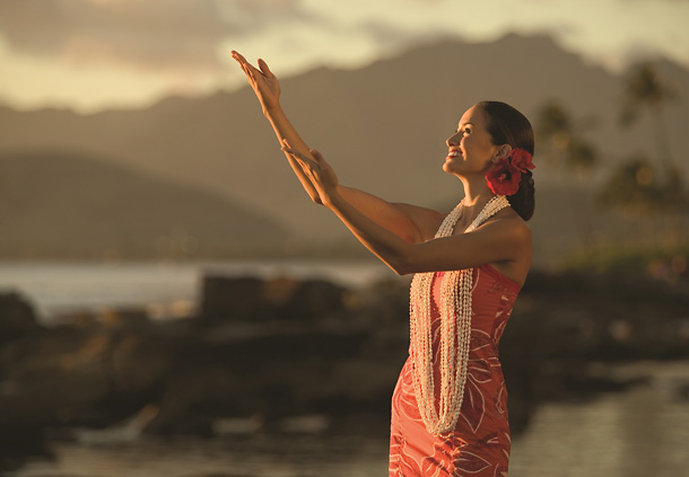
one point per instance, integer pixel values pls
(167, 289)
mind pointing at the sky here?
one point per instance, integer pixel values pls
(91, 55)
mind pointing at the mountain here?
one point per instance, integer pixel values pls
(67, 205)
(382, 127)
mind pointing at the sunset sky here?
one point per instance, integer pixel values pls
(91, 55)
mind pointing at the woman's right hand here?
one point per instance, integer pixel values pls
(263, 82)
(267, 89)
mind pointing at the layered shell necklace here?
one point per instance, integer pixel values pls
(455, 331)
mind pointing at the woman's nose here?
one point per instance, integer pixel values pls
(452, 140)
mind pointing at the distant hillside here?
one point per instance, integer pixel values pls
(64, 204)
(383, 128)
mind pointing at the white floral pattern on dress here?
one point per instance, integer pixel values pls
(480, 443)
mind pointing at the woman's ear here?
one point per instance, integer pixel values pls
(503, 152)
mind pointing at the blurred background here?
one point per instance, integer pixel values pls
(171, 303)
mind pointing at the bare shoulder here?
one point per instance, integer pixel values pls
(509, 225)
(513, 236)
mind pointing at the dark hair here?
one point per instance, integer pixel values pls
(506, 125)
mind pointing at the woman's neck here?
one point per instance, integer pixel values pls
(476, 196)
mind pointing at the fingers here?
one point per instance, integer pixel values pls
(248, 68)
(264, 68)
(317, 155)
(242, 63)
(255, 72)
(239, 58)
(302, 158)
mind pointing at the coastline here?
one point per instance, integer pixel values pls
(258, 353)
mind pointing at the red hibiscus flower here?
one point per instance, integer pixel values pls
(504, 177)
(521, 159)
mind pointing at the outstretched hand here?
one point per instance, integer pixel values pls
(319, 172)
(264, 83)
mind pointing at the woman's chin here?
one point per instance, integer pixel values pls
(448, 167)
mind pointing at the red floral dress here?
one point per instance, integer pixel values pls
(480, 443)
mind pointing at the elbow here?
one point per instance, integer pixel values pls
(399, 259)
(395, 266)
(402, 266)
(398, 271)
(407, 260)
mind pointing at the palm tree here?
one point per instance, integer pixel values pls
(564, 145)
(635, 186)
(567, 151)
(632, 187)
(645, 90)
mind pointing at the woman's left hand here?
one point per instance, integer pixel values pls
(321, 174)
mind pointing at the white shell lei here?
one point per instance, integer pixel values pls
(455, 331)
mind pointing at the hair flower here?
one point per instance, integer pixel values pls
(505, 176)
(521, 159)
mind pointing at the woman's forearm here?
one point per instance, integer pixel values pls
(388, 215)
(383, 213)
(284, 130)
(385, 244)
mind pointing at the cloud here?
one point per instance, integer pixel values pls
(160, 35)
(102, 53)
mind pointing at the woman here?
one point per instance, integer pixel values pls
(449, 407)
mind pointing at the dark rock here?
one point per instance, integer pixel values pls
(251, 299)
(231, 298)
(60, 376)
(17, 317)
(312, 300)
(138, 363)
(19, 441)
(129, 317)
(195, 395)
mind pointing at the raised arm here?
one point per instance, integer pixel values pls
(503, 238)
(267, 88)
(411, 223)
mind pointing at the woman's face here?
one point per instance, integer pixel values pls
(470, 148)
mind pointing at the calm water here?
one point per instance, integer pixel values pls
(166, 288)
(641, 432)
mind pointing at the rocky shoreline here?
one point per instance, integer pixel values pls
(285, 355)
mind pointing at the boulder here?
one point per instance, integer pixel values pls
(231, 298)
(17, 317)
(312, 300)
(252, 299)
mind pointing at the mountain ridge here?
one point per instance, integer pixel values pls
(80, 207)
(382, 127)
